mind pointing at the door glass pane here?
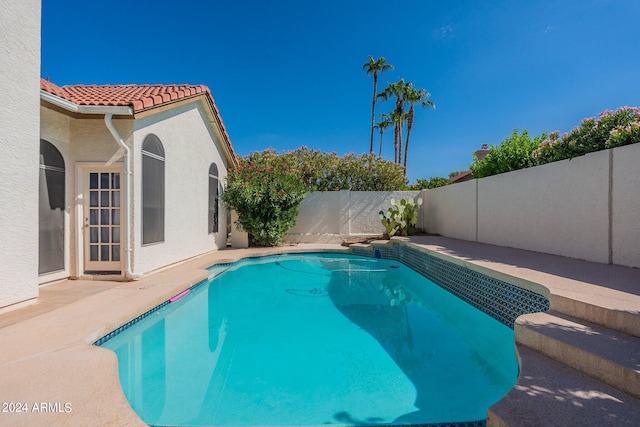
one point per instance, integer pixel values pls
(115, 217)
(115, 253)
(104, 217)
(93, 181)
(115, 199)
(104, 234)
(104, 253)
(104, 180)
(104, 198)
(93, 235)
(115, 235)
(115, 180)
(93, 253)
(93, 217)
(93, 198)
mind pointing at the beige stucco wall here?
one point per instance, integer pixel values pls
(318, 218)
(334, 215)
(85, 142)
(190, 149)
(586, 208)
(19, 141)
(625, 197)
(82, 141)
(451, 211)
(559, 208)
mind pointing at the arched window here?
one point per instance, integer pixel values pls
(152, 190)
(51, 209)
(213, 198)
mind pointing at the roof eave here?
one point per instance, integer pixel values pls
(121, 110)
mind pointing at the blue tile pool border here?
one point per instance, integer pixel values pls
(499, 299)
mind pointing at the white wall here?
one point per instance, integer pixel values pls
(20, 144)
(189, 151)
(586, 208)
(451, 210)
(559, 208)
(331, 216)
(625, 199)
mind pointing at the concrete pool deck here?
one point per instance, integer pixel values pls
(48, 363)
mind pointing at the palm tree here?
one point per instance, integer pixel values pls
(414, 96)
(375, 66)
(398, 90)
(397, 118)
(383, 124)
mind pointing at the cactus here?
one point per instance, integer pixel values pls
(402, 217)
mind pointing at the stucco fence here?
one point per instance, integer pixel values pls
(335, 216)
(586, 208)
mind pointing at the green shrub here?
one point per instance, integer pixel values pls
(426, 184)
(266, 196)
(515, 152)
(608, 130)
(321, 171)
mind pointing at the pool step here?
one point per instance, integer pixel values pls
(602, 306)
(607, 355)
(549, 393)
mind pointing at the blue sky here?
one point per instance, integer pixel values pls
(289, 73)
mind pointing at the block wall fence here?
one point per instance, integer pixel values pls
(331, 216)
(585, 208)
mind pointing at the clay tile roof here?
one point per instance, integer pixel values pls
(138, 97)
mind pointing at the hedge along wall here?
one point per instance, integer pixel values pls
(331, 216)
(586, 208)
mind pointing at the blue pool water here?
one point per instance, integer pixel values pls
(315, 339)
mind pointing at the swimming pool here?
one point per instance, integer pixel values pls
(315, 339)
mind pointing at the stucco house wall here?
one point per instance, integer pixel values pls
(82, 142)
(19, 140)
(191, 140)
(190, 148)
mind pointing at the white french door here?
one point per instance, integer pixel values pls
(102, 219)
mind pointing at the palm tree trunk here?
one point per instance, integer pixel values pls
(381, 133)
(395, 141)
(399, 125)
(399, 146)
(373, 110)
(406, 144)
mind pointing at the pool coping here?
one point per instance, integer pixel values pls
(49, 358)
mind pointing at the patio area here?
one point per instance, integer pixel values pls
(592, 328)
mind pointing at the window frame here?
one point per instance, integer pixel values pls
(153, 168)
(213, 213)
(52, 172)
